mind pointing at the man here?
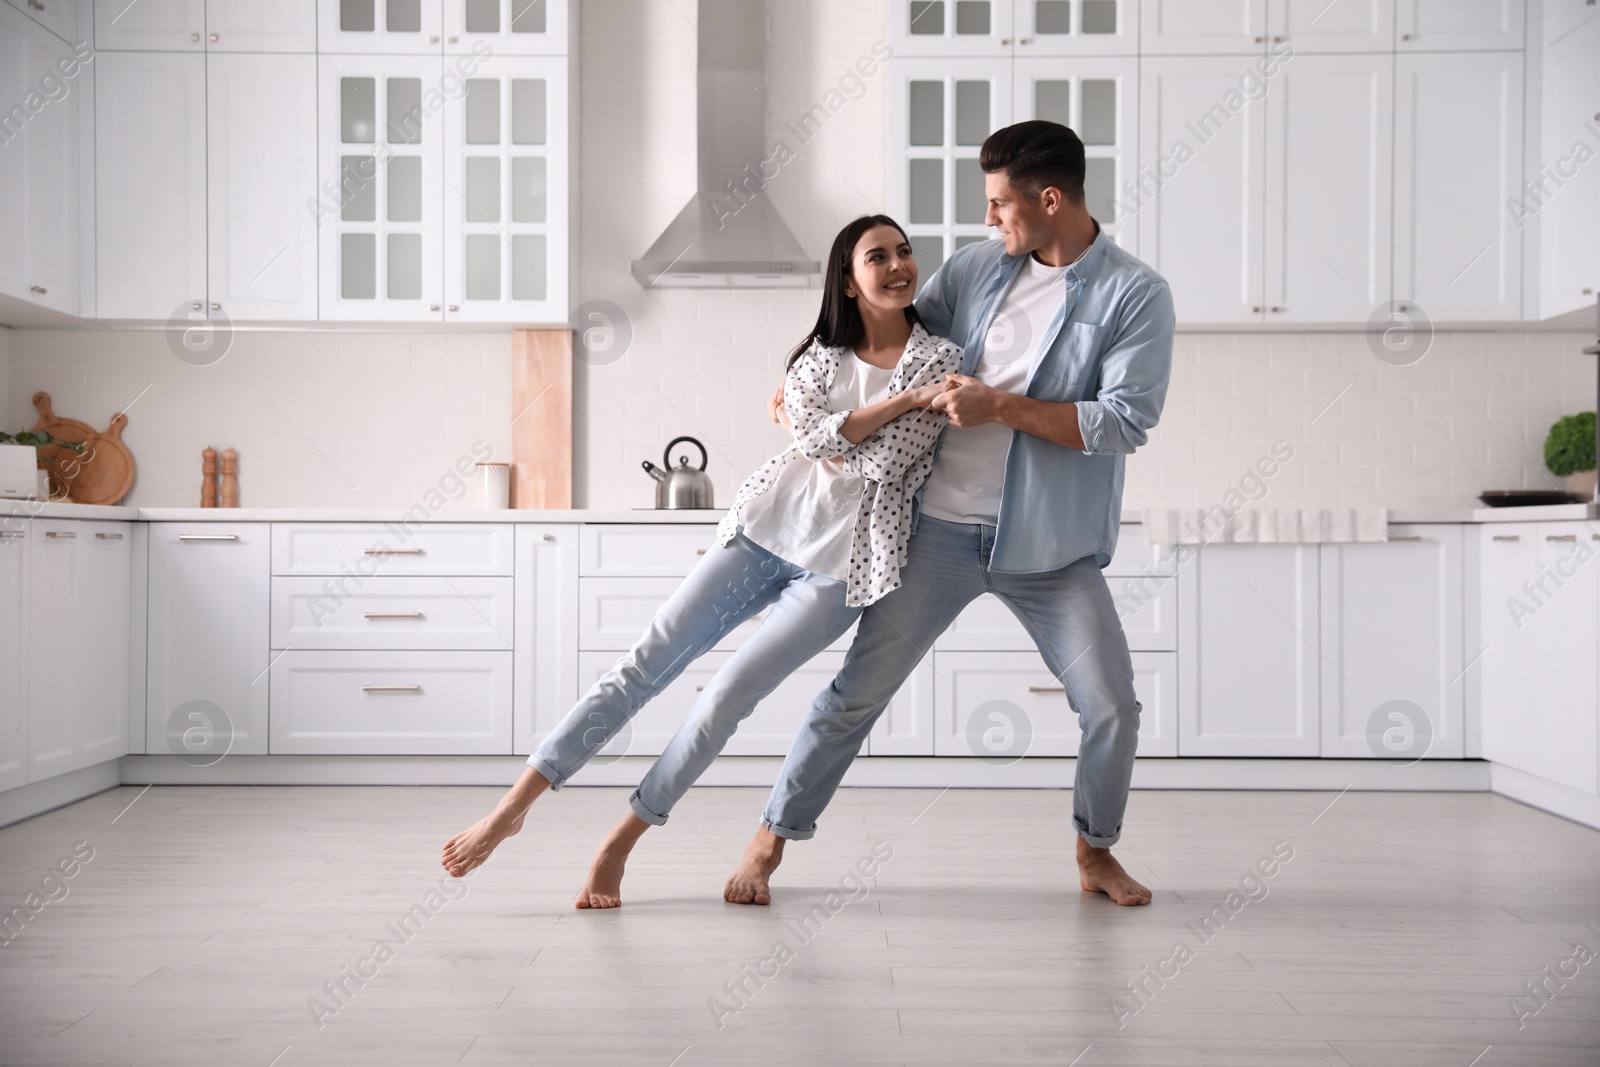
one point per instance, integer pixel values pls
(1068, 348)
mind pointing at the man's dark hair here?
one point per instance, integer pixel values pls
(1036, 155)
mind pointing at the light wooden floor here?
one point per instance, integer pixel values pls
(209, 917)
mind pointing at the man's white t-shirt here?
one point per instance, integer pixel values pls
(808, 516)
(968, 475)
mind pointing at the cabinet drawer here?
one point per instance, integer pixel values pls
(383, 703)
(392, 613)
(1135, 555)
(613, 613)
(643, 550)
(1030, 715)
(1149, 609)
(369, 549)
(767, 732)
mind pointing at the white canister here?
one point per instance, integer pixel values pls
(494, 485)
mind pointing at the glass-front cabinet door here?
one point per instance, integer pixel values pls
(505, 194)
(1077, 28)
(1099, 100)
(507, 27)
(951, 27)
(393, 27)
(379, 201)
(940, 111)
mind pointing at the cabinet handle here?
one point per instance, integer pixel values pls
(433, 40)
(1260, 40)
(450, 40)
(548, 537)
(107, 537)
(1277, 40)
(216, 307)
(394, 551)
(452, 307)
(1276, 310)
(391, 689)
(699, 689)
(60, 535)
(393, 615)
(213, 38)
(37, 289)
(1255, 310)
(6, 535)
(35, 5)
(208, 537)
(1047, 689)
(194, 37)
(1416, 537)
(699, 551)
(1005, 41)
(1025, 40)
(433, 307)
(1405, 37)
(1560, 537)
(1508, 537)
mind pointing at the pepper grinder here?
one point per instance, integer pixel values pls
(208, 478)
(230, 478)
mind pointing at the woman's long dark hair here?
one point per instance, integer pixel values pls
(839, 322)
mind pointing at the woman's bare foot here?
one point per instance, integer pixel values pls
(603, 887)
(750, 881)
(1099, 872)
(472, 846)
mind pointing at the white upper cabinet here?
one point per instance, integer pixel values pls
(1459, 25)
(1199, 195)
(1099, 99)
(1458, 163)
(39, 168)
(1202, 27)
(505, 190)
(379, 217)
(261, 152)
(1328, 189)
(940, 111)
(254, 26)
(150, 184)
(1559, 202)
(1342, 26)
(506, 27)
(394, 27)
(60, 17)
(169, 26)
(1107, 28)
(951, 27)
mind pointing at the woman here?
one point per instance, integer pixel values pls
(818, 533)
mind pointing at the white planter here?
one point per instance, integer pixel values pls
(19, 472)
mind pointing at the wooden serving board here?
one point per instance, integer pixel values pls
(102, 474)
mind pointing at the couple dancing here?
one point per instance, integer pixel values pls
(1046, 355)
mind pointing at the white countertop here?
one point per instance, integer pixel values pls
(29, 508)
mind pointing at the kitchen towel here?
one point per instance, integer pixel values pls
(1198, 526)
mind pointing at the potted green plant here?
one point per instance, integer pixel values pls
(20, 470)
(1569, 453)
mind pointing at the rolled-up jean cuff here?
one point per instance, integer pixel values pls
(551, 775)
(645, 813)
(1096, 841)
(786, 833)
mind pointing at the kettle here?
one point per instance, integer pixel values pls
(682, 486)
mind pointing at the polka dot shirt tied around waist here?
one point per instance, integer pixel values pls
(893, 461)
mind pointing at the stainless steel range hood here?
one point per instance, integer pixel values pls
(729, 236)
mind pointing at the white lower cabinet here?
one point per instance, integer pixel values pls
(1001, 706)
(1247, 653)
(391, 703)
(545, 637)
(13, 652)
(208, 639)
(1391, 644)
(79, 621)
(1540, 619)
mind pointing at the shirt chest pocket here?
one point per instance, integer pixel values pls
(1070, 370)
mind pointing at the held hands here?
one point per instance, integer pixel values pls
(968, 401)
(777, 412)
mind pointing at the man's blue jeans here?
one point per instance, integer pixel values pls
(1069, 614)
(729, 585)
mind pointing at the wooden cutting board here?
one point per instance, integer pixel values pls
(102, 474)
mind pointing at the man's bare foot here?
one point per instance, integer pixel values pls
(749, 882)
(603, 887)
(1099, 872)
(472, 846)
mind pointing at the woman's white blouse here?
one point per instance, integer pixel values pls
(892, 462)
